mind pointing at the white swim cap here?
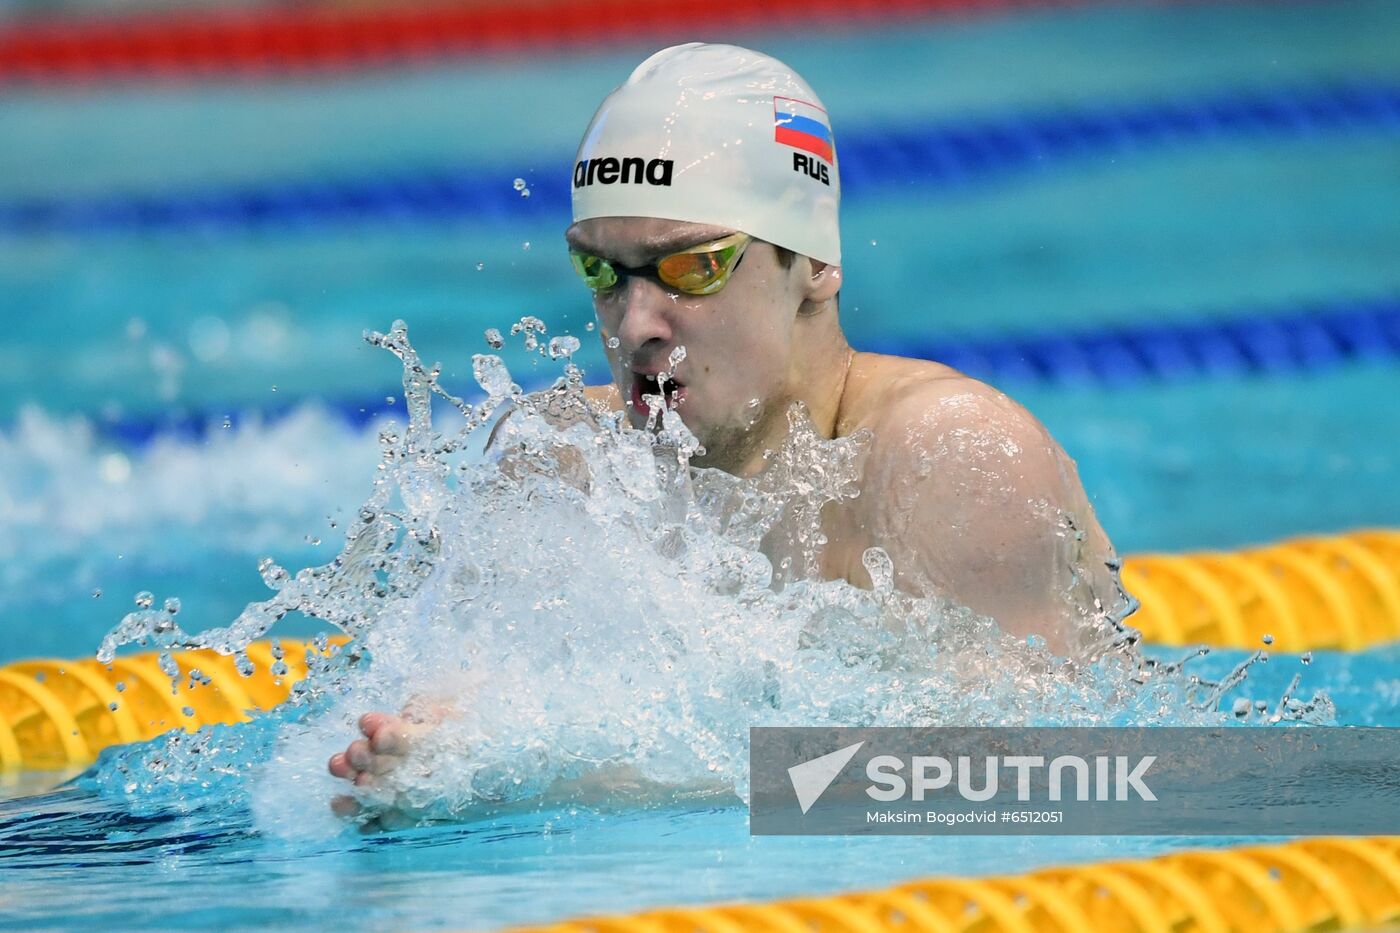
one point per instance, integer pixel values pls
(715, 134)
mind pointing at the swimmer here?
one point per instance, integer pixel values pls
(705, 201)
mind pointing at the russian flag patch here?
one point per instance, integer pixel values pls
(804, 126)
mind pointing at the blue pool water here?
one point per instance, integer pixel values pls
(543, 866)
(118, 325)
(193, 869)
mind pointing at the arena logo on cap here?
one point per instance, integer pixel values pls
(610, 171)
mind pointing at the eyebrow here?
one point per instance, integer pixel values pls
(658, 246)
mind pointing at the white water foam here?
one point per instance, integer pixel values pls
(600, 619)
(62, 486)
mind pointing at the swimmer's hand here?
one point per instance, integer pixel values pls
(387, 739)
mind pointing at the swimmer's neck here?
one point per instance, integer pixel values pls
(818, 377)
(830, 379)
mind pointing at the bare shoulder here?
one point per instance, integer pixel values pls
(916, 409)
(946, 445)
(971, 497)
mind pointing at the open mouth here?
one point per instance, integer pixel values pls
(644, 385)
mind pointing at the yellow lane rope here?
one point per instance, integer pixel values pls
(1340, 592)
(60, 714)
(1309, 885)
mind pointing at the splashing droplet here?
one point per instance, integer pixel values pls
(491, 374)
(531, 327)
(145, 599)
(881, 569)
(562, 347)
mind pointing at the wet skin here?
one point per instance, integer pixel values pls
(965, 490)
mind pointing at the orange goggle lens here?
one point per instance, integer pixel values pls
(694, 273)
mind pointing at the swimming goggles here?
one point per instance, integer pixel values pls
(699, 270)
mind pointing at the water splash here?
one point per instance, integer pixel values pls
(589, 613)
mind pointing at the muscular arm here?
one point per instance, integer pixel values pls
(975, 501)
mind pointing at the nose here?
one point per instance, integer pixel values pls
(646, 315)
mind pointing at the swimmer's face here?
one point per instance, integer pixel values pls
(737, 373)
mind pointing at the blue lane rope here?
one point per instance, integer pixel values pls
(1299, 339)
(937, 156)
(1295, 340)
(138, 430)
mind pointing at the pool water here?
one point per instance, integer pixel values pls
(194, 869)
(263, 325)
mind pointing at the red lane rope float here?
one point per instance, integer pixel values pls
(262, 42)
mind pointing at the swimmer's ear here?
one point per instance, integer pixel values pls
(824, 283)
